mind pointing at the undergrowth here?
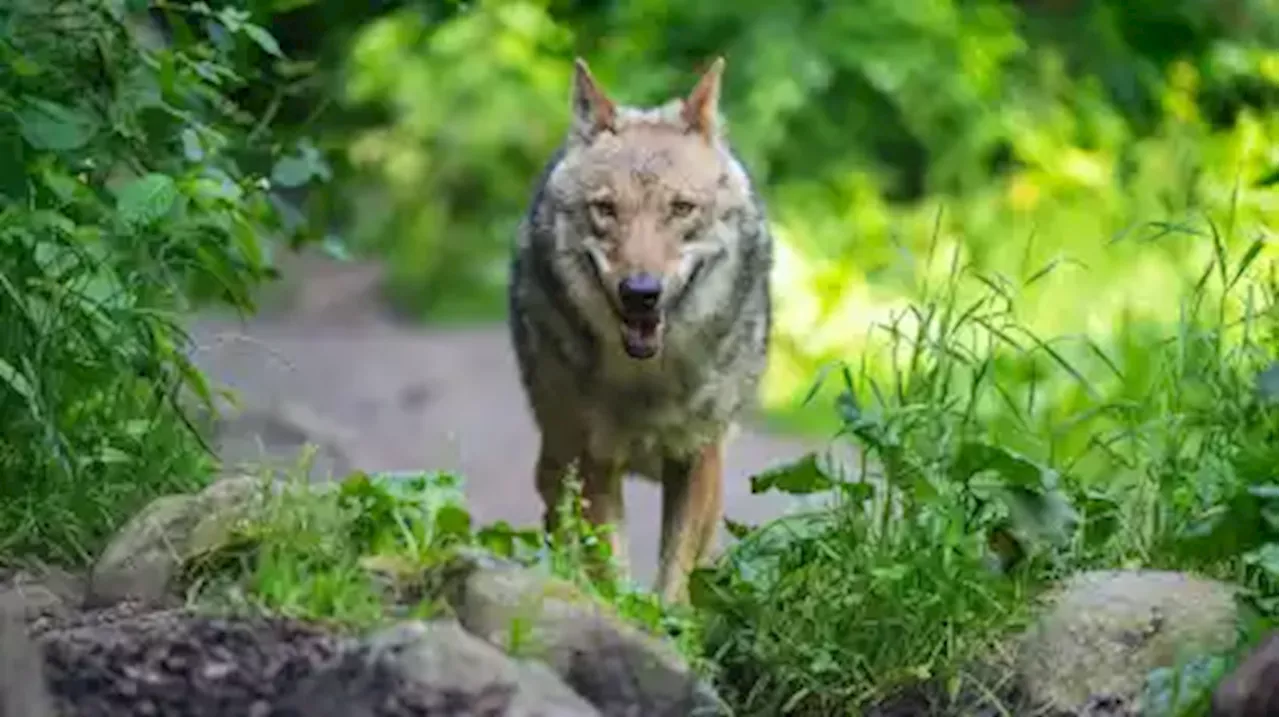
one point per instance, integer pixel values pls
(993, 462)
(133, 188)
(376, 547)
(990, 463)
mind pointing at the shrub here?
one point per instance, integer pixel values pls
(995, 460)
(132, 191)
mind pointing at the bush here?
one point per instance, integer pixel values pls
(997, 461)
(133, 190)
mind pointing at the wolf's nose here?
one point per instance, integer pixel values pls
(639, 292)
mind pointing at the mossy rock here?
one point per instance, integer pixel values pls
(1103, 633)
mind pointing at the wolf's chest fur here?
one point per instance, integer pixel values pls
(672, 404)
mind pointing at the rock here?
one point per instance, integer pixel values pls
(618, 668)
(1104, 632)
(433, 668)
(31, 601)
(40, 592)
(1251, 689)
(142, 559)
(23, 691)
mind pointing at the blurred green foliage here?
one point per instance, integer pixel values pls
(1040, 131)
(132, 189)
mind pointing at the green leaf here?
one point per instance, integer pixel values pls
(453, 520)
(297, 169)
(1039, 511)
(801, 477)
(502, 539)
(705, 590)
(1266, 492)
(214, 188)
(21, 65)
(1266, 557)
(146, 200)
(1185, 687)
(192, 149)
(977, 457)
(102, 288)
(860, 492)
(14, 185)
(736, 529)
(1041, 515)
(16, 381)
(890, 574)
(193, 378)
(66, 187)
(263, 39)
(291, 172)
(1268, 178)
(110, 455)
(53, 222)
(55, 259)
(233, 18)
(1101, 518)
(50, 126)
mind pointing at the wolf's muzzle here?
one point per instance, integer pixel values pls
(639, 296)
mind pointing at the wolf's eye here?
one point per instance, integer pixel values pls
(681, 208)
(602, 210)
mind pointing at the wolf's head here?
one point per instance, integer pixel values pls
(641, 197)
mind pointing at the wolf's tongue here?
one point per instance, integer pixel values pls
(640, 338)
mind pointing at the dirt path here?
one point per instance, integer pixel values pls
(332, 369)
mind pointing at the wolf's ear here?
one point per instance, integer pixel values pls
(593, 112)
(701, 111)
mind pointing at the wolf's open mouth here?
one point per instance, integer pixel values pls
(642, 335)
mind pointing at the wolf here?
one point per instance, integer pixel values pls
(639, 311)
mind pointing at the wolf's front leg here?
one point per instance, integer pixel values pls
(553, 468)
(602, 493)
(692, 503)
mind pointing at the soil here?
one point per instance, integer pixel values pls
(154, 664)
(126, 661)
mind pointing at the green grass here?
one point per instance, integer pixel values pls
(377, 547)
(1002, 460)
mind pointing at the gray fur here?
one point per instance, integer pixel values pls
(698, 387)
